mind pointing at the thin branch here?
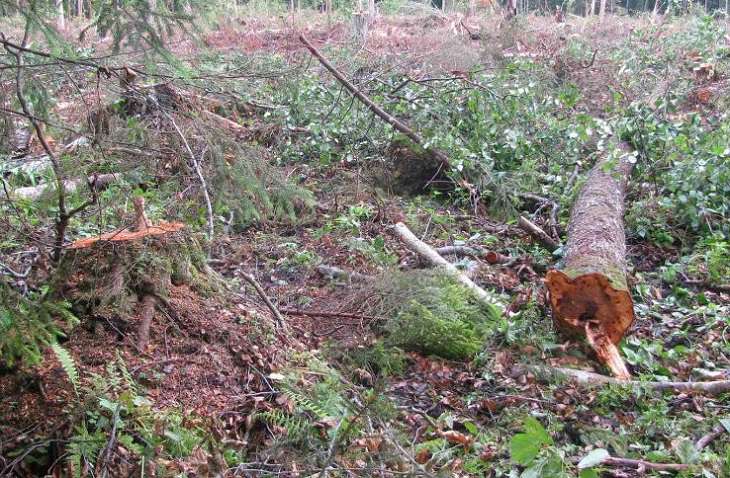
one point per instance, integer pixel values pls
(710, 437)
(260, 291)
(63, 216)
(427, 252)
(536, 232)
(201, 178)
(385, 116)
(715, 387)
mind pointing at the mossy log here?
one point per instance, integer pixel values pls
(590, 295)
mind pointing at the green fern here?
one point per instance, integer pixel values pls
(28, 325)
(306, 404)
(68, 364)
(296, 427)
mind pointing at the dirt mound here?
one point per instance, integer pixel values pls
(205, 359)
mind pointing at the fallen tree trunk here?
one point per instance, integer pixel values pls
(590, 296)
(583, 377)
(96, 182)
(427, 252)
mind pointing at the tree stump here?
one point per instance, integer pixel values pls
(360, 26)
(590, 295)
(128, 272)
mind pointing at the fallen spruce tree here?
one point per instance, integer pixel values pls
(589, 296)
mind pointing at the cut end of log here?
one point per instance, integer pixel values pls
(589, 305)
(127, 235)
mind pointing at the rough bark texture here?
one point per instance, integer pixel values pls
(590, 295)
(146, 313)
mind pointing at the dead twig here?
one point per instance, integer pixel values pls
(643, 465)
(279, 320)
(321, 313)
(199, 173)
(710, 437)
(536, 232)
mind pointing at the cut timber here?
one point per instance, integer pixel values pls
(590, 295)
(427, 252)
(142, 228)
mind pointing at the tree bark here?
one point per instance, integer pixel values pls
(146, 313)
(590, 295)
(360, 27)
(61, 20)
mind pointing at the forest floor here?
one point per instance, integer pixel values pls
(347, 386)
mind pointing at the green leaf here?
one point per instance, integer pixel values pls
(523, 449)
(588, 473)
(595, 457)
(537, 432)
(471, 428)
(687, 452)
(534, 471)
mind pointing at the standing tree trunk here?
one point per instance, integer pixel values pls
(371, 9)
(590, 295)
(61, 20)
(360, 27)
(603, 10)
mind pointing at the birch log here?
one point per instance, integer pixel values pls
(427, 252)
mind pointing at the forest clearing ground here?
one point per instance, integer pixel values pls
(220, 364)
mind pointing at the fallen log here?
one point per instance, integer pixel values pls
(385, 116)
(590, 295)
(427, 252)
(583, 377)
(96, 182)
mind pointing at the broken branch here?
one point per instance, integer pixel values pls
(538, 234)
(384, 115)
(583, 377)
(260, 291)
(427, 252)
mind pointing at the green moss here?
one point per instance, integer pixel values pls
(438, 316)
(592, 264)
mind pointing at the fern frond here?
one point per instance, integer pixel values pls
(68, 364)
(306, 404)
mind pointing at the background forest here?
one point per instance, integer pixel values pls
(315, 238)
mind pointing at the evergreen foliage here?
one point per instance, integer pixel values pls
(432, 314)
(30, 323)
